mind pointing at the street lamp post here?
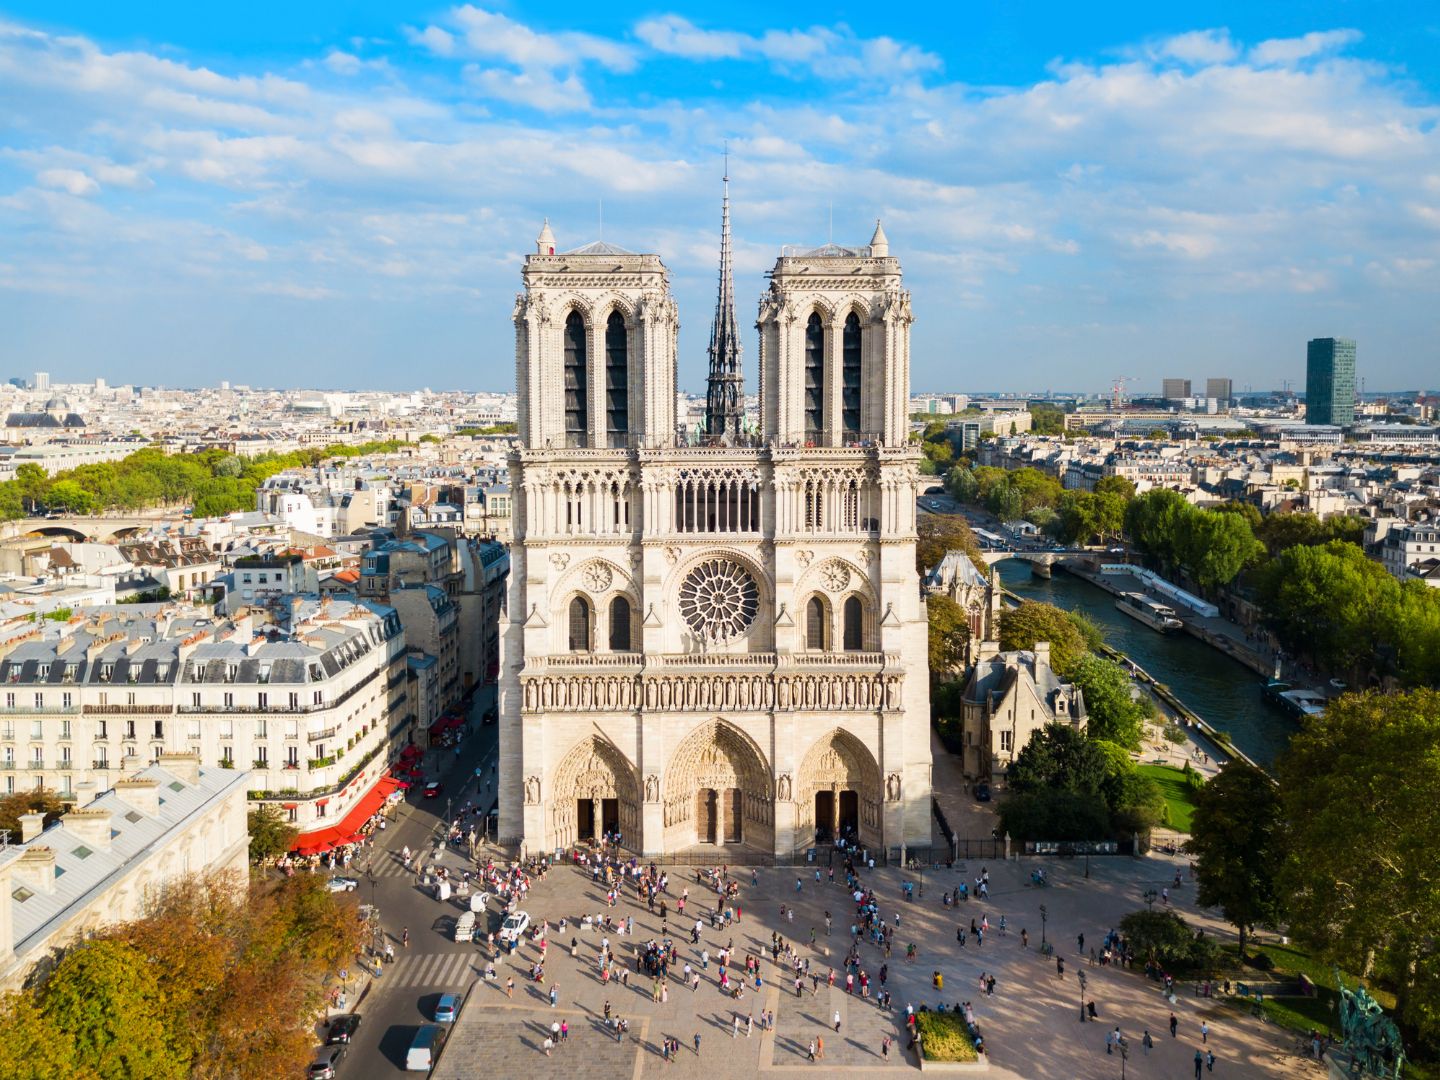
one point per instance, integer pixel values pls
(1124, 1055)
(1043, 916)
(1150, 897)
(1082, 997)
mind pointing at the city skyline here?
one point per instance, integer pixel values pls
(331, 199)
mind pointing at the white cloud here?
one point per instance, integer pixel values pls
(536, 89)
(493, 36)
(72, 180)
(293, 290)
(1200, 47)
(1293, 50)
(826, 53)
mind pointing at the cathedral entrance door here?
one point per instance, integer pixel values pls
(732, 815)
(706, 815)
(824, 814)
(850, 814)
(584, 819)
(610, 815)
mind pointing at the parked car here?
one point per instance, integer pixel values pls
(514, 925)
(447, 1008)
(343, 1028)
(424, 1048)
(326, 1059)
(433, 788)
(982, 792)
(343, 884)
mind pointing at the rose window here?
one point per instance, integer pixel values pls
(719, 599)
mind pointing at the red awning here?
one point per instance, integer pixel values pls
(410, 752)
(291, 806)
(324, 839)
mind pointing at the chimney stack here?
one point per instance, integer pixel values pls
(90, 826)
(1042, 653)
(185, 767)
(35, 869)
(141, 793)
(31, 826)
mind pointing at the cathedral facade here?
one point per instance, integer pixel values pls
(715, 639)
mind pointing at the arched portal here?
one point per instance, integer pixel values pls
(838, 792)
(595, 791)
(718, 790)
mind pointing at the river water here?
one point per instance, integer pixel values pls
(1226, 693)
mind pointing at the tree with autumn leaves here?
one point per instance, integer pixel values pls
(214, 981)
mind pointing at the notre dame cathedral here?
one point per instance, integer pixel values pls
(716, 639)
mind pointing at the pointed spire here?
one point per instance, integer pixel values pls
(725, 397)
(545, 242)
(879, 243)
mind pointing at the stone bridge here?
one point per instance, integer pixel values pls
(1041, 562)
(100, 527)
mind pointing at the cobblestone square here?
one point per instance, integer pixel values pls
(1031, 1023)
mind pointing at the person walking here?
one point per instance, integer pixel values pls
(1147, 1042)
(1204, 1032)
(1173, 1025)
(735, 1026)
(697, 1044)
(820, 1047)
(811, 1054)
(836, 1021)
(1209, 1060)
(565, 1030)
(550, 1045)
(510, 987)
(554, 995)
(885, 1048)
(1199, 1064)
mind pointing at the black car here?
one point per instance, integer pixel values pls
(343, 1028)
(982, 792)
(323, 1066)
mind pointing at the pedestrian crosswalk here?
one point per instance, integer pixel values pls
(442, 970)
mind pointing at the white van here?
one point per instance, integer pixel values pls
(465, 926)
(425, 1048)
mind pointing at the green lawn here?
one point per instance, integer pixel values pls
(1178, 803)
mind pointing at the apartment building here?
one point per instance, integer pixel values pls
(308, 696)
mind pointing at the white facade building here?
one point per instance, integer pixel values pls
(714, 640)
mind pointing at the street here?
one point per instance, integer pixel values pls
(405, 996)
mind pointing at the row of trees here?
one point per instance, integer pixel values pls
(213, 482)
(1347, 613)
(1341, 853)
(214, 981)
(1212, 546)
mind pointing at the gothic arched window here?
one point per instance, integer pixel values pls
(816, 624)
(814, 376)
(850, 375)
(617, 381)
(619, 625)
(854, 618)
(577, 384)
(579, 625)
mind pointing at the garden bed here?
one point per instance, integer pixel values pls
(946, 1044)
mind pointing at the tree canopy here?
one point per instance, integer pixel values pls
(942, 533)
(1234, 837)
(1359, 819)
(1212, 546)
(1111, 713)
(1022, 627)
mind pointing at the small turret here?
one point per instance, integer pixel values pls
(545, 242)
(879, 243)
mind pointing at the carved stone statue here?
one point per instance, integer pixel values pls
(652, 788)
(892, 787)
(1371, 1037)
(532, 791)
(782, 788)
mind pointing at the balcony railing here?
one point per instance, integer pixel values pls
(128, 710)
(316, 736)
(100, 763)
(40, 710)
(753, 659)
(278, 708)
(841, 659)
(35, 763)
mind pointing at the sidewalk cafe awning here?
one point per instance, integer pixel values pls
(321, 840)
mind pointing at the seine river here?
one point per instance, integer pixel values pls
(1226, 693)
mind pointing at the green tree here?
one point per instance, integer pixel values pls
(1054, 815)
(34, 1048)
(32, 482)
(1022, 627)
(960, 482)
(29, 801)
(68, 496)
(1215, 547)
(942, 533)
(270, 833)
(1155, 521)
(1047, 420)
(1116, 485)
(105, 996)
(1359, 819)
(949, 634)
(1249, 511)
(1234, 836)
(1058, 757)
(1111, 713)
(1163, 936)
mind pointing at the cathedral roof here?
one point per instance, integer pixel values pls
(833, 250)
(601, 247)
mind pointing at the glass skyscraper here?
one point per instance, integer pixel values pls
(1330, 381)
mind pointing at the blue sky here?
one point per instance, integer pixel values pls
(340, 196)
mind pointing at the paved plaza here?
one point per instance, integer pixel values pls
(1031, 1023)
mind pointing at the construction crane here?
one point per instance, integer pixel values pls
(1117, 391)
